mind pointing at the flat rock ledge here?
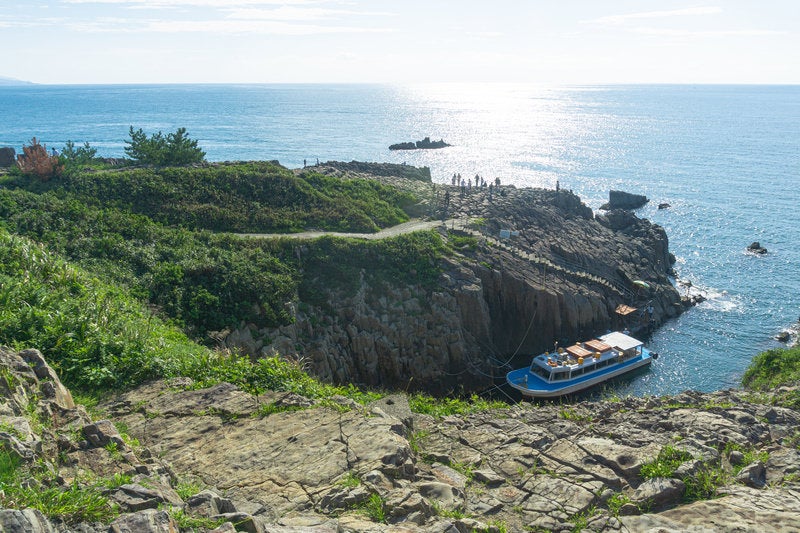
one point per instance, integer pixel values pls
(528, 467)
(280, 462)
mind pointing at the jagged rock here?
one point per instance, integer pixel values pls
(341, 498)
(25, 521)
(664, 205)
(448, 496)
(624, 200)
(783, 336)
(424, 144)
(409, 505)
(134, 497)
(742, 509)
(7, 156)
(756, 248)
(102, 433)
(149, 521)
(244, 522)
(753, 475)
(487, 476)
(658, 493)
(208, 503)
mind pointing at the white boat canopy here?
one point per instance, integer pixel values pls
(621, 341)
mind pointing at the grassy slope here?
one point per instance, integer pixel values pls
(150, 231)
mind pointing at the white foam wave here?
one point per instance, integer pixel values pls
(713, 298)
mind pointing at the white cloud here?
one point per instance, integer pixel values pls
(622, 19)
(705, 33)
(197, 3)
(262, 27)
(287, 13)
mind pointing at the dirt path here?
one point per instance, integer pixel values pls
(400, 229)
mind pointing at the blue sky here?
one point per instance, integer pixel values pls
(263, 41)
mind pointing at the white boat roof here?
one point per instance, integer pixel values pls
(621, 341)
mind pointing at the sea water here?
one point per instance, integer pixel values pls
(726, 159)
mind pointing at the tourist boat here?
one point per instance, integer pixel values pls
(580, 366)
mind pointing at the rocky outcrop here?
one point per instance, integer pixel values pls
(424, 144)
(376, 170)
(756, 248)
(7, 157)
(303, 466)
(540, 467)
(624, 200)
(559, 276)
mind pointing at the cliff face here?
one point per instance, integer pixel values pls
(538, 268)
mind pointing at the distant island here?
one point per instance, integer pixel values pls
(13, 81)
(424, 144)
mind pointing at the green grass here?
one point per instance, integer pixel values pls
(99, 338)
(187, 489)
(22, 487)
(773, 368)
(571, 414)
(416, 441)
(616, 502)
(150, 231)
(462, 242)
(750, 456)
(187, 522)
(374, 508)
(669, 459)
(441, 407)
(350, 480)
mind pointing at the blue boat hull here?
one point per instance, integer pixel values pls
(532, 385)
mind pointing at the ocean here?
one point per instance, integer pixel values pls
(726, 159)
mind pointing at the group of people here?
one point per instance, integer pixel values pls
(479, 181)
(466, 185)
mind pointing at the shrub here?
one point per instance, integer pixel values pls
(174, 149)
(773, 368)
(35, 161)
(83, 155)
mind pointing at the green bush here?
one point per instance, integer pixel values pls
(83, 155)
(773, 368)
(174, 149)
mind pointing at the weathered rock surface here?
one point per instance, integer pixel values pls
(545, 466)
(7, 156)
(559, 276)
(624, 200)
(383, 468)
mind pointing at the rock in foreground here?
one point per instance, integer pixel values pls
(219, 459)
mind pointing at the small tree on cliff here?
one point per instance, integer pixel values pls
(158, 150)
(35, 161)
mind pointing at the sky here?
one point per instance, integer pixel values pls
(400, 41)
